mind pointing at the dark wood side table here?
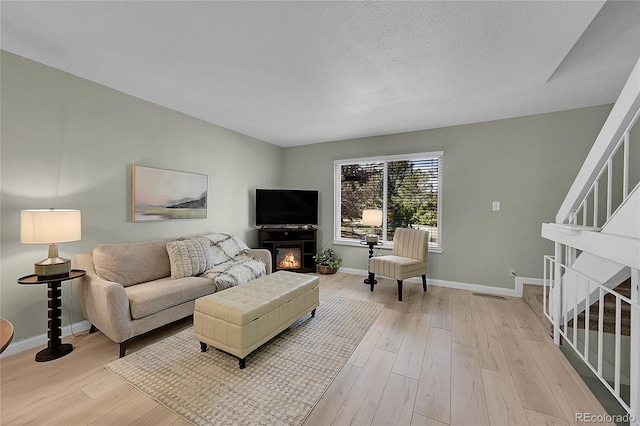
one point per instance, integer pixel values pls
(6, 334)
(55, 348)
(371, 279)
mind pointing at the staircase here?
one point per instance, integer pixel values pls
(533, 295)
(609, 320)
(591, 292)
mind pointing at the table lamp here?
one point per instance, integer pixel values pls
(50, 227)
(373, 218)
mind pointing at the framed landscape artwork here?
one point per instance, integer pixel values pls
(159, 194)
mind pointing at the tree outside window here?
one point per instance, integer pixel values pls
(405, 188)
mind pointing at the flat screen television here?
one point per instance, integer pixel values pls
(286, 207)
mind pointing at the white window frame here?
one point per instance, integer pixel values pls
(337, 195)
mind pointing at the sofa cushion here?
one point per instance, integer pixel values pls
(190, 257)
(132, 263)
(148, 298)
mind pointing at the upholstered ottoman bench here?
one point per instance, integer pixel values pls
(240, 319)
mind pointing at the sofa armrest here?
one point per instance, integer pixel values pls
(105, 304)
(262, 255)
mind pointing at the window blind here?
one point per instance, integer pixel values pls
(405, 188)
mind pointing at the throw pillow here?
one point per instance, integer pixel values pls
(189, 257)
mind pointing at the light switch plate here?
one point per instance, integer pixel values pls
(495, 206)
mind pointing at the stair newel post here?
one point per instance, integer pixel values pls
(556, 295)
(634, 376)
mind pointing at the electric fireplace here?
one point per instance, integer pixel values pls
(291, 249)
(289, 257)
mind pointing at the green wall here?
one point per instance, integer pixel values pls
(527, 163)
(69, 143)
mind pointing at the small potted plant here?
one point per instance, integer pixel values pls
(328, 261)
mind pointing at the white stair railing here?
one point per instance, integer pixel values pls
(616, 174)
(600, 216)
(614, 133)
(616, 363)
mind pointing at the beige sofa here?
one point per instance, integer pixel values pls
(133, 288)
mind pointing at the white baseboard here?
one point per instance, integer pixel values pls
(515, 292)
(520, 281)
(354, 271)
(479, 288)
(34, 342)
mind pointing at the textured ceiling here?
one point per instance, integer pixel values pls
(293, 73)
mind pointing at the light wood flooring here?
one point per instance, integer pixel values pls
(441, 357)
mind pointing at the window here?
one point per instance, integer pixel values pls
(405, 187)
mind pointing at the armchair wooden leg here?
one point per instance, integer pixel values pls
(399, 290)
(372, 280)
(92, 329)
(424, 283)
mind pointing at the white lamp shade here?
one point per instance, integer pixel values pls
(372, 217)
(50, 226)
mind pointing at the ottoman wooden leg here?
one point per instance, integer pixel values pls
(313, 313)
(203, 347)
(242, 362)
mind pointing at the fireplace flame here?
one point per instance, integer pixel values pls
(289, 262)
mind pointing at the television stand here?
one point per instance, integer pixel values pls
(284, 243)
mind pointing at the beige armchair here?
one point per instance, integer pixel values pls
(409, 258)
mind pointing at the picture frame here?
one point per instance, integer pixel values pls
(162, 194)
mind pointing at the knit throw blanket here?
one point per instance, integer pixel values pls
(232, 265)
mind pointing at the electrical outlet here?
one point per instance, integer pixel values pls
(512, 272)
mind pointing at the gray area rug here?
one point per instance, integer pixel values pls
(283, 379)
